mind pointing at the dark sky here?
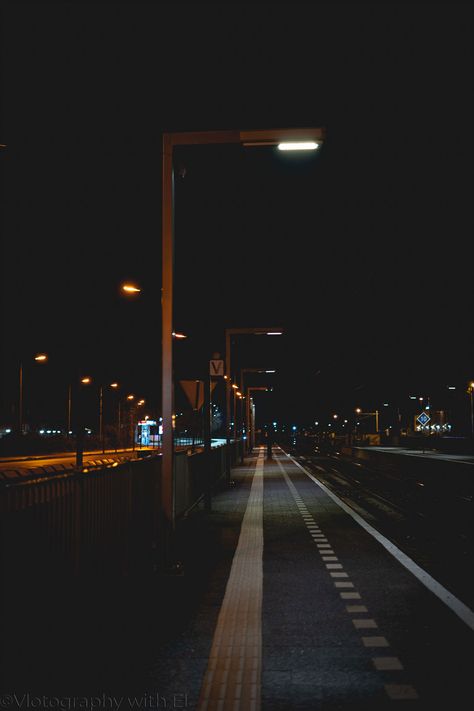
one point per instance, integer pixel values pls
(362, 252)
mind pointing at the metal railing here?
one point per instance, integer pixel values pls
(102, 520)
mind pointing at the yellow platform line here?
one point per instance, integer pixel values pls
(232, 681)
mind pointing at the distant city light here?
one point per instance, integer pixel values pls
(298, 146)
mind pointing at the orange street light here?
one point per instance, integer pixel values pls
(130, 289)
(130, 397)
(86, 380)
(178, 335)
(114, 385)
(41, 357)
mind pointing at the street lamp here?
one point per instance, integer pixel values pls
(243, 371)
(259, 137)
(101, 413)
(251, 414)
(254, 331)
(376, 413)
(470, 390)
(130, 289)
(39, 358)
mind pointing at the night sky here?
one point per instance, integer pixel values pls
(362, 252)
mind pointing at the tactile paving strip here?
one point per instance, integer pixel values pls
(233, 677)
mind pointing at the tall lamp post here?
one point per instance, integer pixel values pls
(470, 390)
(250, 423)
(243, 372)
(229, 332)
(376, 413)
(39, 358)
(285, 139)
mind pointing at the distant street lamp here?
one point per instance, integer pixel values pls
(298, 137)
(251, 413)
(39, 358)
(86, 380)
(101, 413)
(376, 413)
(470, 391)
(253, 331)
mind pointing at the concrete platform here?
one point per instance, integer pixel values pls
(286, 602)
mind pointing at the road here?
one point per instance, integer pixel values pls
(427, 515)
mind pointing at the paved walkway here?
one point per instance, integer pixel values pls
(305, 609)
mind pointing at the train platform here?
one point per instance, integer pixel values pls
(307, 607)
(286, 599)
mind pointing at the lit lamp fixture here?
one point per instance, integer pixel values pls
(130, 289)
(86, 380)
(178, 335)
(114, 385)
(298, 146)
(130, 397)
(41, 357)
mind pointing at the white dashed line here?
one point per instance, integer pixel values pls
(374, 642)
(458, 607)
(387, 663)
(400, 691)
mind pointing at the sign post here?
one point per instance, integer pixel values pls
(423, 418)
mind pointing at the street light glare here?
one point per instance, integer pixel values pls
(114, 385)
(41, 357)
(178, 335)
(86, 380)
(130, 289)
(298, 146)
